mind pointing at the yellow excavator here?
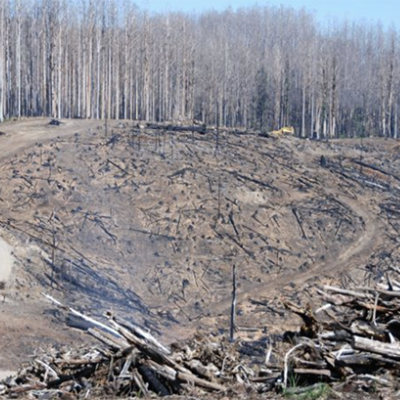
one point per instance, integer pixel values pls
(285, 131)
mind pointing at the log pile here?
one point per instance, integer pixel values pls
(130, 362)
(351, 341)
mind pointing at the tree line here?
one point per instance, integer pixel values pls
(258, 67)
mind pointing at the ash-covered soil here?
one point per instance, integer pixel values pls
(148, 223)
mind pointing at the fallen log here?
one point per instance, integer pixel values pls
(298, 220)
(162, 370)
(375, 168)
(113, 343)
(28, 388)
(190, 378)
(391, 350)
(176, 128)
(388, 293)
(363, 328)
(351, 293)
(86, 318)
(140, 332)
(317, 372)
(155, 384)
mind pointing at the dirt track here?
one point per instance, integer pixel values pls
(195, 207)
(23, 134)
(356, 254)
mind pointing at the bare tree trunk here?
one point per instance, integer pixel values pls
(303, 113)
(333, 106)
(18, 59)
(2, 61)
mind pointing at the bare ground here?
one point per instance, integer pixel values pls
(5, 261)
(149, 225)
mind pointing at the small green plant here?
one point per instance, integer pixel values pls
(293, 381)
(318, 391)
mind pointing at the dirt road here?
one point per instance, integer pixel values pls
(20, 135)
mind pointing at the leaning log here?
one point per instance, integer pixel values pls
(141, 333)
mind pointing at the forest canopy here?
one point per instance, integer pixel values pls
(258, 67)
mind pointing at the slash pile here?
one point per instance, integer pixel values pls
(353, 341)
(131, 362)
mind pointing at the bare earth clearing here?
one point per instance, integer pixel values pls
(148, 223)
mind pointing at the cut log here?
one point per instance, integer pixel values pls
(391, 350)
(96, 360)
(298, 219)
(190, 378)
(347, 292)
(336, 300)
(198, 368)
(380, 291)
(177, 128)
(78, 314)
(162, 370)
(155, 384)
(112, 342)
(363, 328)
(338, 335)
(318, 372)
(141, 333)
(27, 388)
(148, 349)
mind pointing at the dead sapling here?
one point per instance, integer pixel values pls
(53, 248)
(216, 142)
(219, 215)
(233, 306)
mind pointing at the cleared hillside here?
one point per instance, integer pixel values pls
(149, 222)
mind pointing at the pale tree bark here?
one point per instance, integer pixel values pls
(100, 58)
(2, 60)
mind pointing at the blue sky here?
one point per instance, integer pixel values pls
(386, 11)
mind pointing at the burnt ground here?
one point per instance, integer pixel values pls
(148, 223)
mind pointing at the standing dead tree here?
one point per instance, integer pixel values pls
(233, 306)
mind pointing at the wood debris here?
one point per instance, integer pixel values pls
(353, 339)
(130, 362)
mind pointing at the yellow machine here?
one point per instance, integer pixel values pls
(285, 131)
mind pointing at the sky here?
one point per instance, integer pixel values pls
(385, 11)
